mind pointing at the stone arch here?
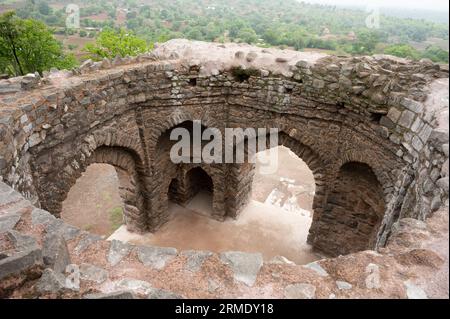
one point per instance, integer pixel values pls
(104, 147)
(165, 171)
(179, 116)
(241, 175)
(190, 180)
(353, 212)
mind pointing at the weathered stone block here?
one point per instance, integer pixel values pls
(93, 273)
(111, 295)
(406, 119)
(20, 262)
(55, 252)
(156, 257)
(245, 266)
(117, 251)
(300, 291)
(8, 222)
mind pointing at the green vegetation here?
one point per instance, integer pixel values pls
(433, 53)
(28, 46)
(116, 218)
(111, 43)
(129, 27)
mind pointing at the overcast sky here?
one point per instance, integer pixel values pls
(438, 5)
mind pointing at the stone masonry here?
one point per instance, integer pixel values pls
(369, 128)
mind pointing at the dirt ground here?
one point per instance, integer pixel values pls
(94, 200)
(276, 221)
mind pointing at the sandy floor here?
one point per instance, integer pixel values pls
(276, 222)
(92, 200)
(260, 228)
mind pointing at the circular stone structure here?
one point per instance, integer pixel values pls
(371, 129)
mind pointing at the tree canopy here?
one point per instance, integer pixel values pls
(28, 46)
(111, 43)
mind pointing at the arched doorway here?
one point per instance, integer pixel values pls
(95, 203)
(353, 212)
(194, 189)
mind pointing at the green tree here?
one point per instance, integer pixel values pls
(27, 46)
(402, 51)
(366, 42)
(44, 8)
(436, 54)
(111, 43)
(247, 35)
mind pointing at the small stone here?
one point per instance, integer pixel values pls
(22, 242)
(251, 56)
(40, 216)
(414, 292)
(51, 282)
(318, 84)
(406, 119)
(317, 268)
(195, 259)
(412, 105)
(343, 285)
(373, 277)
(303, 64)
(281, 60)
(85, 242)
(213, 285)
(279, 260)
(394, 114)
(67, 231)
(93, 273)
(245, 266)
(20, 262)
(55, 252)
(156, 257)
(300, 291)
(443, 184)
(111, 295)
(138, 286)
(265, 73)
(117, 251)
(155, 293)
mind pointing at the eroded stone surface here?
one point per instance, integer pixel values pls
(195, 259)
(117, 251)
(372, 129)
(55, 252)
(300, 291)
(245, 266)
(93, 273)
(156, 257)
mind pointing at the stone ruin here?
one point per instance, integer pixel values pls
(373, 130)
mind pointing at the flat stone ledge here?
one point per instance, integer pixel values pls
(245, 266)
(156, 257)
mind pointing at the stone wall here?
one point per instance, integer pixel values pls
(378, 111)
